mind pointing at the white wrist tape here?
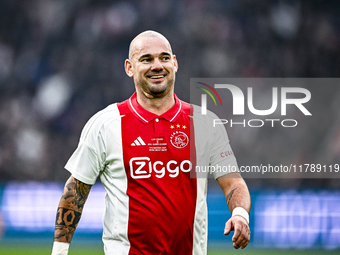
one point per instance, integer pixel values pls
(60, 248)
(242, 212)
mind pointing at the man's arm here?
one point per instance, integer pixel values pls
(237, 195)
(69, 212)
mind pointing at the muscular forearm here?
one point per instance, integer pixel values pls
(70, 209)
(235, 191)
(238, 200)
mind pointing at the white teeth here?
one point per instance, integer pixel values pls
(156, 77)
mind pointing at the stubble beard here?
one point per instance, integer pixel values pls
(156, 90)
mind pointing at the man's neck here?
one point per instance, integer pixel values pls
(156, 105)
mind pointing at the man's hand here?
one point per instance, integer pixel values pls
(241, 235)
(238, 200)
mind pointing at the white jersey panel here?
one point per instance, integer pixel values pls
(201, 219)
(114, 179)
(210, 144)
(100, 153)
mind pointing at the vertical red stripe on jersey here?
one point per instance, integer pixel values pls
(190, 111)
(161, 202)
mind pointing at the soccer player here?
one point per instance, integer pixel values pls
(145, 151)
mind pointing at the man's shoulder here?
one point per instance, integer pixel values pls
(102, 119)
(197, 113)
(186, 107)
(108, 113)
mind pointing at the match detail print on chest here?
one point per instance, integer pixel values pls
(158, 142)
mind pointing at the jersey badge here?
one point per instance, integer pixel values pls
(179, 139)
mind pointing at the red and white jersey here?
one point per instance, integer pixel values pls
(147, 162)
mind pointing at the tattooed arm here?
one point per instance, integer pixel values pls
(70, 209)
(235, 191)
(237, 195)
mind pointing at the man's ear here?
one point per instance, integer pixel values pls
(175, 63)
(128, 68)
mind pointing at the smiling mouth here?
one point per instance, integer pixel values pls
(156, 76)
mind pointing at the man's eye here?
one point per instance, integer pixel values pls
(166, 58)
(145, 60)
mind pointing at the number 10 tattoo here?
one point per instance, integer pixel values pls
(70, 209)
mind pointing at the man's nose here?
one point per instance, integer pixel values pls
(156, 65)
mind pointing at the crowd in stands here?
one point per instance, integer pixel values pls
(63, 60)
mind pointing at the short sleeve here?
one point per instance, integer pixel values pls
(222, 156)
(212, 145)
(87, 161)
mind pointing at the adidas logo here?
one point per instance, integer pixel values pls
(138, 142)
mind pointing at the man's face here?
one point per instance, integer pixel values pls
(152, 66)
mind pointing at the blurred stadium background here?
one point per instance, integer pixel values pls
(62, 60)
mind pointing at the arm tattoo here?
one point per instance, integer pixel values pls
(70, 209)
(82, 192)
(229, 196)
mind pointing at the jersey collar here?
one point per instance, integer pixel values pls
(145, 116)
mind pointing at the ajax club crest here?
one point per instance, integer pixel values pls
(179, 139)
